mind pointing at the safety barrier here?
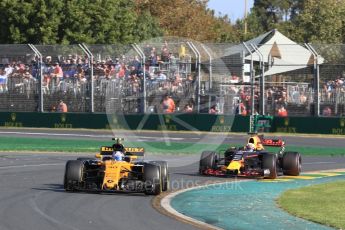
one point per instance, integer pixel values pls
(176, 122)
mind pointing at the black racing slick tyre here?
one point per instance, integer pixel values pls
(152, 178)
(292, 163)
(269, 161)
(207, 161)
(73, 174)
(164, 174)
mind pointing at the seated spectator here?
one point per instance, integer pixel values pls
(176, 83)
(282, 112)
(168, 104)
(329, 87)
(57, 73)
(241, 109)
(3, 81)
(122, 71)
(27, 76)
(136, 63)
(302, 98)
(327, 111)
(69, 71)
(161, 76)
(165, 54)
(153, 59)
(213, 110)
(234, 79)
(62, 107)
(8, 70)
(188, 108)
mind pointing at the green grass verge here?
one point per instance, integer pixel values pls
(75, 145)
(323, 203)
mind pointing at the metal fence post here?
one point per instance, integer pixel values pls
(143, 58)
(251, 78)
(262, 82)
(40, 61)
(210, 68)
(90, 57)
(196, 65)
(199, 73)
(316, 85)
(317, 80)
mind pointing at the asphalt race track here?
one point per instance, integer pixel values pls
(32, 196)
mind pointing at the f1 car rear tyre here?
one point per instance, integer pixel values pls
(73, 174)
(207, 161)
(269, 161)
(164, 174)
(152, 178)
(292, 163)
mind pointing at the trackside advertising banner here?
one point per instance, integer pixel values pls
(171, 122)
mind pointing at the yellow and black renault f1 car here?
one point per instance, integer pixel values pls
(252, 160)
(117, 168)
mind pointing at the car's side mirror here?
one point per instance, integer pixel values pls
(98, 155)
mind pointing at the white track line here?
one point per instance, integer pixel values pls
(318, 163)
(56, 134)
(165, 203)
(24, 166)
(98, 136)
(34, 206)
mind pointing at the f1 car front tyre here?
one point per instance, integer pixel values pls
(292, 163)
(269, 161)
(207, 161)
(152, 177)
(73, 174)
(164, 174)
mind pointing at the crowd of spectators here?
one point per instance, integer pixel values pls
(166, 72)
(71, 74)
(19, 77)
(277, 97)
(332, 88)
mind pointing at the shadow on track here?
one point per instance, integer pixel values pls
(59, 188)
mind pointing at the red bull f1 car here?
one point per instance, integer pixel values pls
(117, 168)
(252, 160)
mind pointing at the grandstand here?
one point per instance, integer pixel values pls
(134, 79)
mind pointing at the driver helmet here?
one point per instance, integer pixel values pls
(118, 156)
(250, 147)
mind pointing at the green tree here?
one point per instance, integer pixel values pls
(270, 14)
(24, 21)
(189, 19)
(322, 21)
(106, 21)
(146, 26)
(74, 21)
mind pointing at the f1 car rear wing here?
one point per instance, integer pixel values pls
(129, 151)
(272, 142)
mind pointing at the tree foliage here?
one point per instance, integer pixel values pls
(320, 21)
(74, 21)
(190, 19)
(128, 21)
(29, 21)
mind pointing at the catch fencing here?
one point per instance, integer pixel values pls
(304, 79)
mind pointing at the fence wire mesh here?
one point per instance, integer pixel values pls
(200, 78)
